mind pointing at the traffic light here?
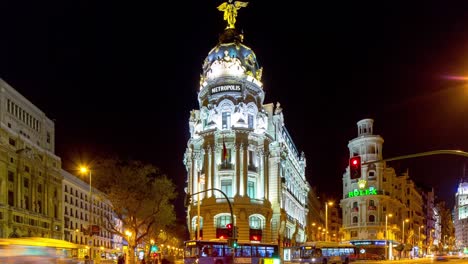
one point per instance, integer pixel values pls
(355, 167)
(188, 199)
(229, 230)
(232, 242)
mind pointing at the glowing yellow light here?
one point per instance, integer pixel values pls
(362, 184)
(83, 169)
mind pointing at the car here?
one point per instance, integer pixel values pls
(441, 258)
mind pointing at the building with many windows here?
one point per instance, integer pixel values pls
(461, 215)
(30, 179)
(241, 146)
(77, 219)
(379, 206)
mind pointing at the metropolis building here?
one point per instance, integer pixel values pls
(240, 147)
(30, 179)
(380, 206)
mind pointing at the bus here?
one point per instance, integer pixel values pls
(323, 252)
(37, 250)
(217, 251)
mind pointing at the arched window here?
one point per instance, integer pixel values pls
(371, 218)
(371, 203)
(223, 220)
(256, 222)
(195, 223)
(355, 219)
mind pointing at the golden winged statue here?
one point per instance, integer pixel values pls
(230, 11)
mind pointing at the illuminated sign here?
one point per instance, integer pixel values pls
(368, 242)
(226, 88)
(356, 192)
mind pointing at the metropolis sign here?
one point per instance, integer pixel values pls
(226, 88)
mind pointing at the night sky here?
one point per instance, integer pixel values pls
(122, 76)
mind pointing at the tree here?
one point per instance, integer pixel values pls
(400, 248)
(141, 198)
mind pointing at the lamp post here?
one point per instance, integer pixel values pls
(386, 235)
(326, 219)
(84, 169)
(403, 231)
(130, 245)
(314, 234)
(419, 236)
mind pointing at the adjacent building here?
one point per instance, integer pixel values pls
(78, 217)
(241, 146)
(37, 197)
(380, 207)
(461, 215)
(30, 180)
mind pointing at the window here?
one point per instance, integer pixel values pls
(226, 187)
(372, 218)
(26, 183)
(39, 188)
(371, 203)
(223, 220)
(11, 176)
(355, 219)
(26, 202)
(251, 189)
(250, 120)
(11, 198)
(226, 120)
(255, 222)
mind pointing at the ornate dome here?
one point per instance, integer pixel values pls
(231, 58)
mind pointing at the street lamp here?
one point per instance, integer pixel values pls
(84, 170)
(419, 235)
(386, 235)
(326, 219)
(403, 231)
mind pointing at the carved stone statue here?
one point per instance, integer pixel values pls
(230, 11)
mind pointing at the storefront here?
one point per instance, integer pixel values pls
(375, 249)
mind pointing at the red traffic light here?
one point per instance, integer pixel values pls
(355, 167)
(229, 230)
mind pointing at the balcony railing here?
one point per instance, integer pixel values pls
(252, 168)
(225, 166)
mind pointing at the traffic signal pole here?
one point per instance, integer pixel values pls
(230, 209)
(422, 154)
(225, 196)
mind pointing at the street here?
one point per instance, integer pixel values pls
(415, 261)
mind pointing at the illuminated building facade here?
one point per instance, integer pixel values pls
(369, 200)
(241, 146)
(461, 215)
(77, 215)
(30, 179)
